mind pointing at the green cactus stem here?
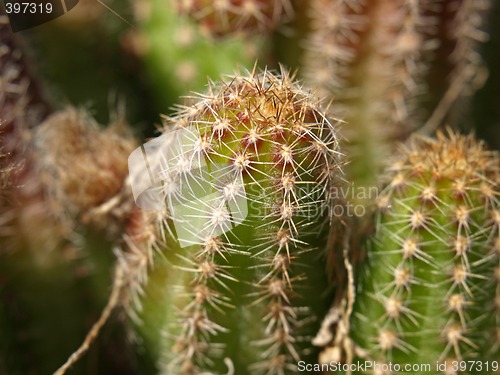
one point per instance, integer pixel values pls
(246, 298)
(429, 292)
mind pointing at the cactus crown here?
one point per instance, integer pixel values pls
(267, 130)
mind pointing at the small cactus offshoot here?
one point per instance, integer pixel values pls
(430, 289)
(247, 294)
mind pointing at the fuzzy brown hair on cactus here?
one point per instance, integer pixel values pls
(393, 67)
(247, 291)
(82, 167)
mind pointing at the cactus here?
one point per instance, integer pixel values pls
(21, 101)
(429, 292)
(247, 298)
(178, 56)
(83, 176)
(50, 286)
(6, 169)
(382, 61)
(235, 16)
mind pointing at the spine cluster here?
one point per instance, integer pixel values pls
(430, 289)
(244, 295)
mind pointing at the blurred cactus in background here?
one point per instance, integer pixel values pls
(221, 18)
(282, 272)
(378, 61)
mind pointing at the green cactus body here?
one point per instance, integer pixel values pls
(249, 298)
(428, 292)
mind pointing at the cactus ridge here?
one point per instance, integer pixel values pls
(430, 289)
(266, 130)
